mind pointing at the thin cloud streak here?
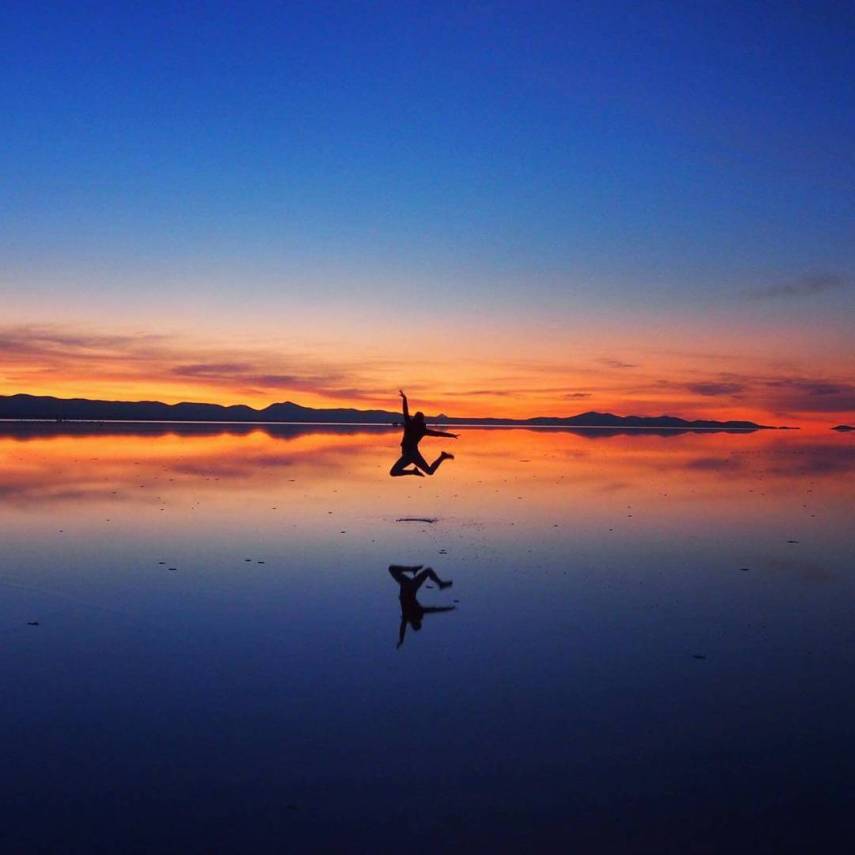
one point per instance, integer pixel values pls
(615, 363)
(805, 286)
(713, 389)
(32, 354)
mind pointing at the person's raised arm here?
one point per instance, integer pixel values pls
(406, 407)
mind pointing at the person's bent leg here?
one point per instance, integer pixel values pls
(429, 572)
(429, 468)
(415, 457)
(435, 465)
(419, 578)
(400, 469)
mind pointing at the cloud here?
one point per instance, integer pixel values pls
(475, 393)
(216, 370)
(814, 388)
(804, 286)
(52, 345)
(616, 363)
(85, 362)
(778, 395)
(712, 389)
(326, 383)
(798, 394)
(516, 387)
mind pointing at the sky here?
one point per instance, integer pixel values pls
(504, 208)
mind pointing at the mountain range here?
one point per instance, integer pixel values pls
(60, 409)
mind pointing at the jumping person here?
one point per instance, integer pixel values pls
(414, 429)
(412, 611)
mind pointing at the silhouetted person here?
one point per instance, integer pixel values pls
(414, 429)
(412, 611)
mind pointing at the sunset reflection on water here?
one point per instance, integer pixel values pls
(626, 608)
(530, 475)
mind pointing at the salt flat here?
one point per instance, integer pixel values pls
(651, 645)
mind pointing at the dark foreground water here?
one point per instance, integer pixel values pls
(651, 647)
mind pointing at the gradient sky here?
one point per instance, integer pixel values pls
(506, 208)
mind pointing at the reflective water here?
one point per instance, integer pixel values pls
(651, 647)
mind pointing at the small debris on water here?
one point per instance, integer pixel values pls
(417, 519)
(698, 656)
(32, 623)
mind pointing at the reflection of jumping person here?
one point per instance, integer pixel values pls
(412, 611)
(414, 429)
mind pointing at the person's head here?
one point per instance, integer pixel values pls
(419, 417)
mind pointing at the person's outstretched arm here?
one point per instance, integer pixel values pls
(406, 407)
(441, 433)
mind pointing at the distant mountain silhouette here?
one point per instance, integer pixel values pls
(48, 407)
(60, 409)
(843, 428)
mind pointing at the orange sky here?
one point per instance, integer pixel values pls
(494, 368)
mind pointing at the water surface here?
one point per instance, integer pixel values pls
(651, 647)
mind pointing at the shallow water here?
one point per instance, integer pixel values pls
(651, 650)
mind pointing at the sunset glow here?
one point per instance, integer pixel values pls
(554, 373)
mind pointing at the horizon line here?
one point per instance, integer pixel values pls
(485, 420)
